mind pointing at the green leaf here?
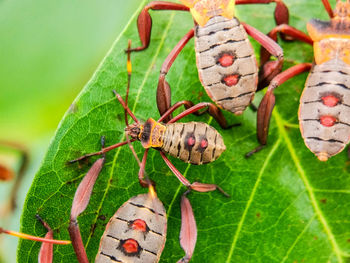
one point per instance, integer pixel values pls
(285, 205)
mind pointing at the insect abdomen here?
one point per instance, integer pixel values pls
(136, 233)
(193, 142)
(324, 113)
(226, 63)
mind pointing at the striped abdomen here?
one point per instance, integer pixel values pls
(226, 63)
(324, 113)
(193, 142)
(136, 233)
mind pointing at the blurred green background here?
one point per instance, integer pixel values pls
(48, 51)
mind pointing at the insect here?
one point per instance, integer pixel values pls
(324, 110)
(8, 174)
(137, 231)
(139, 219)
(194, 142)
(226, 62)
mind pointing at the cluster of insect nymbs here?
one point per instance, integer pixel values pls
(228, 70)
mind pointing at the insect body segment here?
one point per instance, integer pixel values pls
(226, 63)
(150, 133)
(136, 232)
(193, 142)
(203, 10)
(329, 40)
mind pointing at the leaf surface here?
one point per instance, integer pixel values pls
(285, 205)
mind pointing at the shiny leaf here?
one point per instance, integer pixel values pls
(284, 205)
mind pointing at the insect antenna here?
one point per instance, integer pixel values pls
(128, 141)
(141, 164)
(129, 70)
(122, 102)
(34, 238)
(146, 182)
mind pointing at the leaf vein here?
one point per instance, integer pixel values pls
(250, 200)
(298, 238)
(309, 189)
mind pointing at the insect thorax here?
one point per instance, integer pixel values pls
(331, 39)
(150, 133)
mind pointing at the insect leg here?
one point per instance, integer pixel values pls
(163, 89)
(328, 8)
(275, 67)
(103, 151)
(188, 104)
(46, 249)
(281, 11)
(268, 102)
(80, 202)
(213, 110)
(287, 30)
(144, 182)
(188, 232)
(34, 238)
(144, 20)
(196, 186)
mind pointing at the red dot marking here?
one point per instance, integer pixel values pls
(226, 60)
(231, 80)
(204, 143)
(131, 246)
(191, 141)
(328, 121)
(140, 225)
(330, 100)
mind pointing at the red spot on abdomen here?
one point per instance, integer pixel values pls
(328, 121)
(330, 100)
(226, 60)
(191, 141)
(231, 80)
(131, 246)
(140, 225)
(204, 143)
